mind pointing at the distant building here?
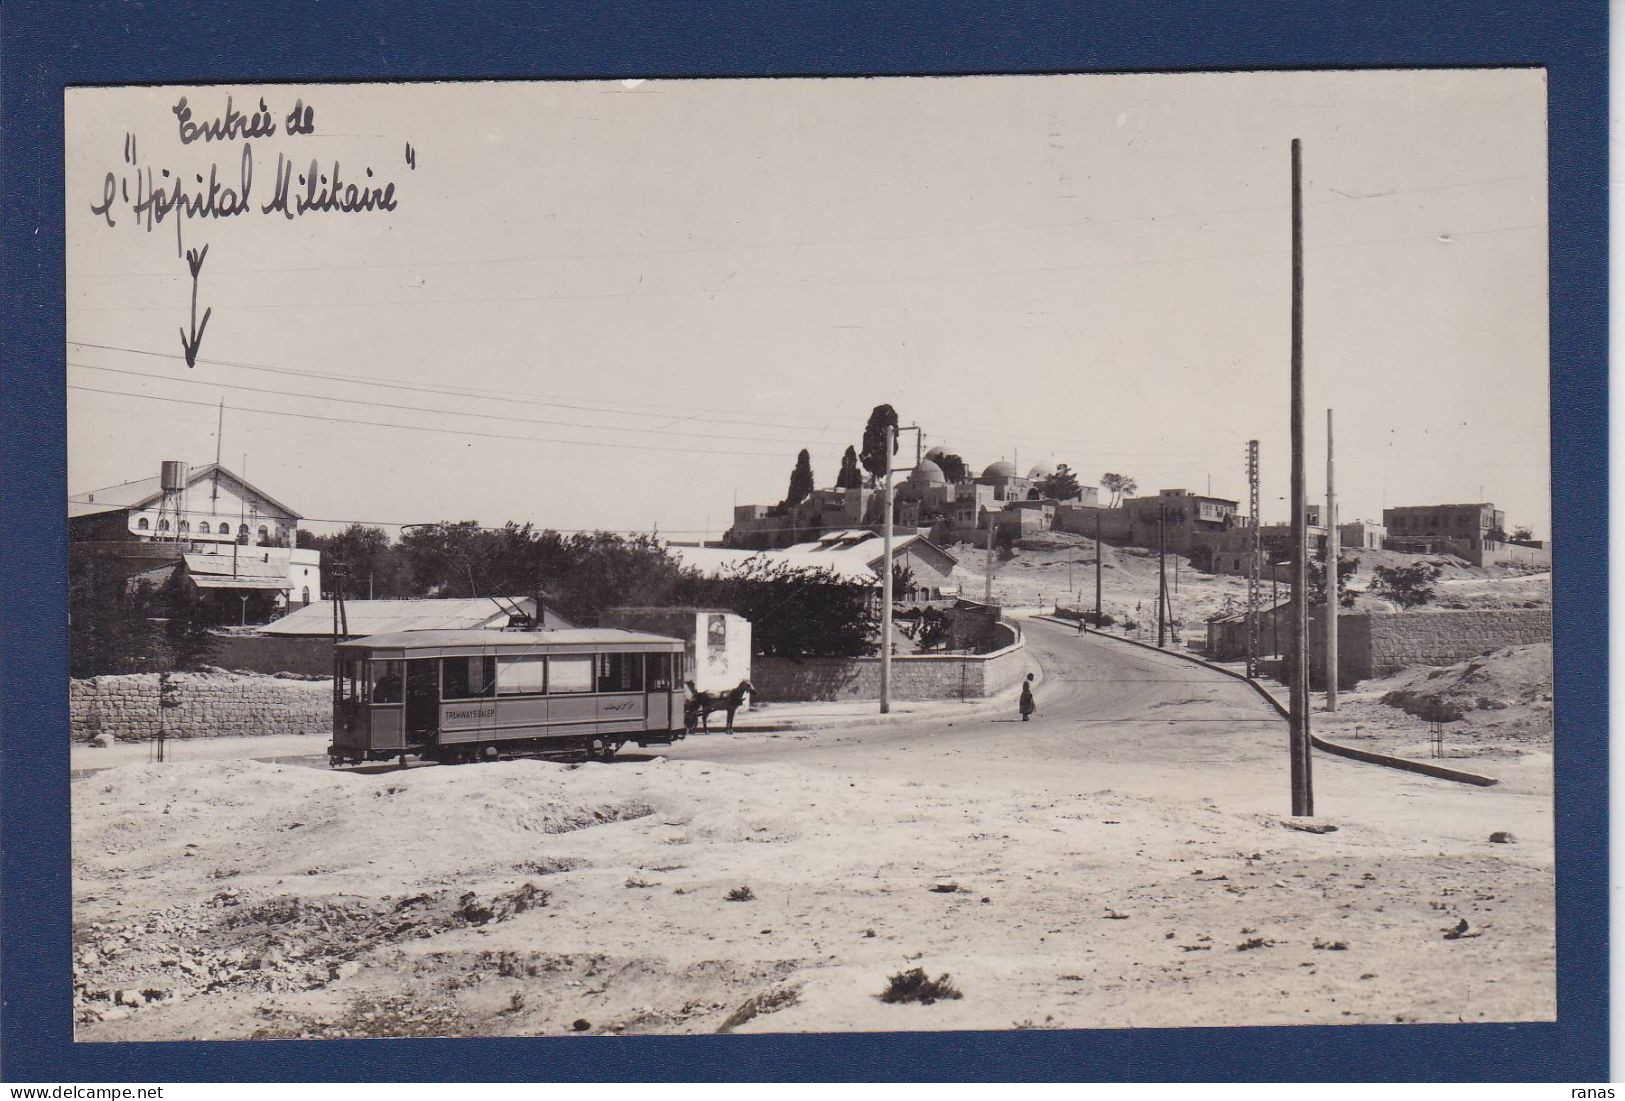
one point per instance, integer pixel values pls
(229, 538)
(1183, 515)
(1362, 534)
(1475, 532)
(855, 554)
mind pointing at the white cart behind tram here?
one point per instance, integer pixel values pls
(456, 696)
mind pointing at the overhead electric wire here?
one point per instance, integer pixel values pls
(428, 428)
(517, 396)
(416, 408)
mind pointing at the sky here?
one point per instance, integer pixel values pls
(627, 305)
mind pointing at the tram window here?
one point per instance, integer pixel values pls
(570, 674)
(660, 673)
(386, 682)
(620, 672)
(350, 680)
(468, 678)
(521, 676)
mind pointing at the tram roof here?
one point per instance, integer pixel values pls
(540, 640)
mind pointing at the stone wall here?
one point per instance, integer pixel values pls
(212, 705)
(1375, 644)
(1398, 639)
(914, 676)
(271, 654)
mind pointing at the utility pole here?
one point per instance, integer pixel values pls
(1334, 553)
(886, 572)
(1303, 800)
(1098, 626)
(885, 580)
(987, 596)
(1253, 589)
(1162, 576)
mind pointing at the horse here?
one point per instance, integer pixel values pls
(701, 704)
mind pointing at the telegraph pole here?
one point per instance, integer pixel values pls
(885, 581)
(1098, 625)
(1303, 800)
(1162, 576)
(1254, 592)
(1334, 553)
(987, 597)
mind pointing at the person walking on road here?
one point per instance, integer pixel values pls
(1027, 704)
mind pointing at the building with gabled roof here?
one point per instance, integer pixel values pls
(236, 544)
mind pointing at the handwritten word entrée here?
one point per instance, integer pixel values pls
(229, 126)
(152, 197)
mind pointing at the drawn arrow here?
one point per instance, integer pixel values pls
(189, 344)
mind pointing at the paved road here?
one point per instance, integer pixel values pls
(1109, 715)
(1119, 717)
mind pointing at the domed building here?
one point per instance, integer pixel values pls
(927, 473)
(1040, 471)
(1007, 484)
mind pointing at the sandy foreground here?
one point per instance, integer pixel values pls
(1123, 861)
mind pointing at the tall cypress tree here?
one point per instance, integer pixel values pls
(801, 481)
(849, 477)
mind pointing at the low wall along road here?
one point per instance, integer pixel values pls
(913, 676)
(211, 705)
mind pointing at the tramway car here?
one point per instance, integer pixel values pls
(456, 696)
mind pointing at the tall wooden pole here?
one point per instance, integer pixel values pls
(1334, 548)
(885, 580)
(1303, 801)
(987, 596)
(1097, 573)
(1162, 576)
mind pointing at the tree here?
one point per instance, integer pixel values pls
(1060, 486)
(935, 629)
(110, 623)
(1119, 486)
(1407, 586)
(1346, 568)
(953, 469)
(361, 554)
(795, 611)
(186, 627)
(902, 579)
(801, 481)
(874, 457)
(850, 476)
(1521, 534)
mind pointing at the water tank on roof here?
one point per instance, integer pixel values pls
(172, 475)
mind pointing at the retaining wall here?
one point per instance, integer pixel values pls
(212, 705)
(913, 676)
(1374, 644)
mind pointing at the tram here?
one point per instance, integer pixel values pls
(456, 696)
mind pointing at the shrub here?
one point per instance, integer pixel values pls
(916, 986)
(1407, 586)
(741, 894)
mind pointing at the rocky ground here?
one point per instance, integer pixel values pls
(1123, 861)
(1492, 713)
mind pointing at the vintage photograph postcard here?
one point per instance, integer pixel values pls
(810, 555)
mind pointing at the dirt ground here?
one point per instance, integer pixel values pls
(1124, 860)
